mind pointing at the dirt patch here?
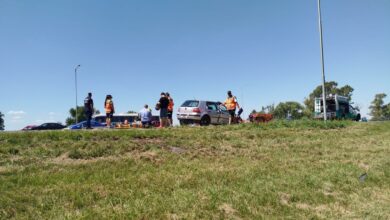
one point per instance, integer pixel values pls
(155, 141)
(10, 169)
(177, 150)
(364, 166)
(303, 206)
(228, 211)
(284, 198)
(65, 160)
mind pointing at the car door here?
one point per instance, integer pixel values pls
(212, 111)
(223, 115)
(45, 126)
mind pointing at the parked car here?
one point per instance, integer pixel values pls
(83, 124)
(49, 126)
(28, 127)
(131, 118)
(203, 113)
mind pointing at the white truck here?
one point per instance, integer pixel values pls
(337, 107)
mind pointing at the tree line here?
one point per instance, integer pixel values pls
(379, 110)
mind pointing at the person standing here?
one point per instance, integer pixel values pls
(170, 108)
(146, 116)
(231, 105)
(88, 109)
(163, 106)
(110, 110)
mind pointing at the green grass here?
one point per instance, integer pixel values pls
(293, 170)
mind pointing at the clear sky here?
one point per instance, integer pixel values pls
(265, 51)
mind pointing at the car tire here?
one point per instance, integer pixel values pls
(205, 121)
(358, 117)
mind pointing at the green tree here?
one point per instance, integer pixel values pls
(267, 109)
(1, 122)
(378, 110)
(330, 88)
(295, 109)
(80, 115)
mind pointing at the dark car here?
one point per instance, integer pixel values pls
(83, 124)
(49, 126)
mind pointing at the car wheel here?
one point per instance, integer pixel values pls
(358, 117)
(205, 121)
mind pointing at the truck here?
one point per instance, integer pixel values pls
(337, 107)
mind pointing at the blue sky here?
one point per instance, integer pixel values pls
(264, 51)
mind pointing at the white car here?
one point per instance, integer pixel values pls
(203, 113)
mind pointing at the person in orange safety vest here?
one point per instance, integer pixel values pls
(231, 104)
(110, 110)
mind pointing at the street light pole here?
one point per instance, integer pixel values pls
(322, 60)
(75, 82)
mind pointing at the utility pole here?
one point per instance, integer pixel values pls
(75, 82)
(322, 60)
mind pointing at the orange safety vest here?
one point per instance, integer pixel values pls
(109, 106)
(231, 103)
(170, 105)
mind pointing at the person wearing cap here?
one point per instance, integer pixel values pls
(88, 109)
(170, 108)
(231, 104)
(110, 110)
(163, 104)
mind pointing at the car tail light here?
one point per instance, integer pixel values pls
(197, 110)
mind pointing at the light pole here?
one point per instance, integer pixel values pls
(322, 60)
(75, 83)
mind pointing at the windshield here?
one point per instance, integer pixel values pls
(190, 103)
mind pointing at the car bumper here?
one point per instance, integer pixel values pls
(188, 117)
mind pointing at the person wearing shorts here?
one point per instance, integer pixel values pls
(231, 105)
(170, 108)
(109, 107)
(163, 105)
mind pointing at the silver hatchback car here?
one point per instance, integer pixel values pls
(203, 113)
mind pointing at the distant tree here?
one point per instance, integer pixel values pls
(80, 115)
(379, 110)
(295, 110)
(97, 112)
(330, 88)
(267, 109)
(131, 112)
(1, 122)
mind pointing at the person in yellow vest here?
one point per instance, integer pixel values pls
(110, 110)
(170, 108)
(231, 104)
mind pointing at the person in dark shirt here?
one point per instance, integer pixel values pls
(163, 104)
(170, 108)
(88, 109)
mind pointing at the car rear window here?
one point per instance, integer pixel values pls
(190, 103)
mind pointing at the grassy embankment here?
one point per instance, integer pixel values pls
(278, 170)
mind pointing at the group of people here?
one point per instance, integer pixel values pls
(164, 105)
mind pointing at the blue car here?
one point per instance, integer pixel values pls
(83, 124)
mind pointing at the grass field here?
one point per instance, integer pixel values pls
(295, 170)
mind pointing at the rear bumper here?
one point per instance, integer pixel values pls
(188, 116)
